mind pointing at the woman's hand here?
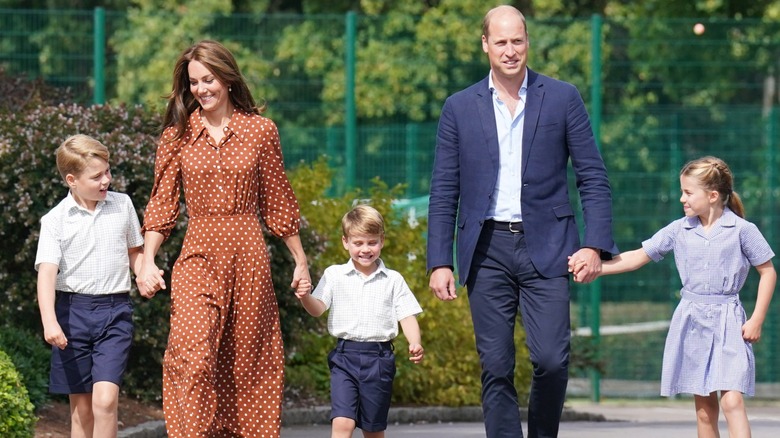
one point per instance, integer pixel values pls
(150, 280)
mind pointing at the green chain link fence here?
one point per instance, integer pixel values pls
(658, 93)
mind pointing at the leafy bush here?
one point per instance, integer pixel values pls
(31, 356)
(450, 373)
(20, 93)
(30, 186)
(17, 417)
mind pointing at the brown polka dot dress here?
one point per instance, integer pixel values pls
(223, 366)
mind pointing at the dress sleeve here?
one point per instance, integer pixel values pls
(278, 204)
(662, 242)
(754, 245)
(163, 207)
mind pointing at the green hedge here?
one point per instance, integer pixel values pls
(30, 185)
(17, 417)
(450, 372)
(31, 357)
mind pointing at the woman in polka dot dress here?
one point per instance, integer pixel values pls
(223, 366)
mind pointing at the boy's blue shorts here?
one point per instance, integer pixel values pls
(361, 382)
(99, 329)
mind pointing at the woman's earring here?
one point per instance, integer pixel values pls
(230, 89)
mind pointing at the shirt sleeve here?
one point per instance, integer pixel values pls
(49, 250)
(134, 237)
(324, 289)
(278, 204)
(163, 207)
(404, 302)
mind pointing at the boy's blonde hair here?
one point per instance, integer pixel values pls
(74, 154)
(363, 219)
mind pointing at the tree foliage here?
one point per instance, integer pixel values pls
(30, 185)
(450, 373)
(17, 419)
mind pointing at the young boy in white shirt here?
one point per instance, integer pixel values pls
(366, 301)
(88, 243)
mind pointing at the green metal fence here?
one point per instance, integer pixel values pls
(658, 93)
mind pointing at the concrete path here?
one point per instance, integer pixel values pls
(581, 419)
(632, 419)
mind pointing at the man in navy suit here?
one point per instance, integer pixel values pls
(500, 177)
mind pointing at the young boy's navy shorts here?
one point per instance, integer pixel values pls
(361, 382)
(99, 329)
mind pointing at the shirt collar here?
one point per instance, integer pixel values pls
(520, 93)
(71, 204)
(349, 268)
(239, 118)
(727, 219)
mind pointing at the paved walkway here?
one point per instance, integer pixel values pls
(582, 419)
(625, 419)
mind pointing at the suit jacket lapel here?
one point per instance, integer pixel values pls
(487, 116)
(533, 106)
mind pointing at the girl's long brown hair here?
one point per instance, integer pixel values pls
(714, 174)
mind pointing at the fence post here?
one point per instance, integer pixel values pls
(411, 163)
(331, 152)
(595, 286)
(350, 116)
(771, 133)
(99, 56)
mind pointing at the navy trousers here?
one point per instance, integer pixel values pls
(503, 281)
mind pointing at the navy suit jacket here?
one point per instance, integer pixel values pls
(557, 128)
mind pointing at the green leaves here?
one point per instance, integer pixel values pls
(17, 417)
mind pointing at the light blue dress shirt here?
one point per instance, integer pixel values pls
(505, 204)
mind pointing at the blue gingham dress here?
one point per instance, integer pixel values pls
(704, 349)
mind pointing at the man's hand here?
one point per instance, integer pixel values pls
(442, 283)
(585, 264)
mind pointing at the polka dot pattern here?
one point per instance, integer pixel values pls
(223, 369)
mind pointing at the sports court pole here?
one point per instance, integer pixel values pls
(595, 286)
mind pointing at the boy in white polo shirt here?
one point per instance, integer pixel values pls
(87, 245)
(366, 302)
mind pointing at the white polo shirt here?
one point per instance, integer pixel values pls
(365, 308)
(90, 248)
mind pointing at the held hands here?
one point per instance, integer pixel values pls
(576, 268)
(416, 353)
(585, 265)
(150, 280)
(301, 281)
(303, 289)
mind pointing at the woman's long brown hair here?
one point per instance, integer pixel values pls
(221, 63)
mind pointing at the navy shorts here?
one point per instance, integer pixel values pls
(361, 382)
(99, 329)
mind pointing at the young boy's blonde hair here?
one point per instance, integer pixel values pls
(363, 219)
(74, 154)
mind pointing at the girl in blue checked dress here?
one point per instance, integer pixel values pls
(709, 345)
